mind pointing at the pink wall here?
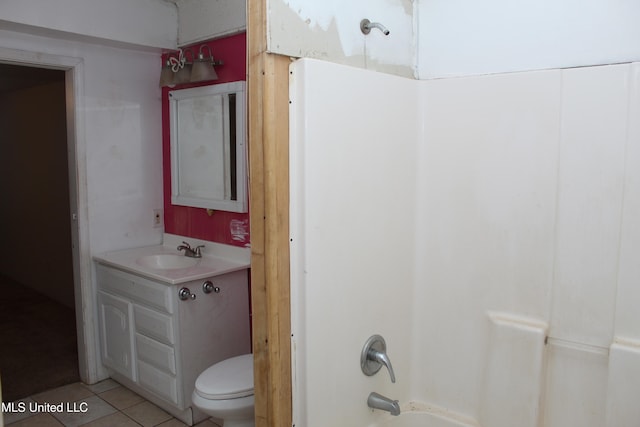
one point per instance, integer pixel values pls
(221, 227)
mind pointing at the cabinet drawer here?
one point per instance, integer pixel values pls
(135, 287)
(157, 354)
(160, 383)
(153, 324)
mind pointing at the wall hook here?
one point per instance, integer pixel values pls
(366, 26)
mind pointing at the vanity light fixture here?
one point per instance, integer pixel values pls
(170, 72)
(178, 70)
(167, 74)
(183, 75)
(203, 67)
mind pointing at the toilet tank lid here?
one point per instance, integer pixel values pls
(228, 379)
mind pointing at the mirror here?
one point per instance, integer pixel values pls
(208, 147)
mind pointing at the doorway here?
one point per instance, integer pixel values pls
(37, 323)
(73, 69)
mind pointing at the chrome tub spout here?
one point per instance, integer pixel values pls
(378, 401)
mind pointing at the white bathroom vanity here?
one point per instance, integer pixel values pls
(164, 318)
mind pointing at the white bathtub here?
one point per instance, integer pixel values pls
(416, 414)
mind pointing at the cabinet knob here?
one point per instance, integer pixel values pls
(208, 287)
(185, 294)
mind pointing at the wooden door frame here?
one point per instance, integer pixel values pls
(268, 136)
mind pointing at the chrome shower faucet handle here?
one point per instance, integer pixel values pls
(374, 355)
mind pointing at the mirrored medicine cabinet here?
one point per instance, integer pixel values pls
(208, 147)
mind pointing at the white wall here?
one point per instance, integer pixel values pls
(494, 36)
(495, 212)
(123, 119)
(331, 31)
(444, 38)
(200, 20)
(150, 23)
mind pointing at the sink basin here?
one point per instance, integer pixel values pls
(167, 261)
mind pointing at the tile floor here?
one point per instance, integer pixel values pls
(107, 404)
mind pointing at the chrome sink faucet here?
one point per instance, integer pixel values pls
(189, 251)
(378, 401)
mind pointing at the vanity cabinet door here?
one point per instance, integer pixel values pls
(116, 334)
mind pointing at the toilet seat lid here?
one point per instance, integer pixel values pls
(229, 379)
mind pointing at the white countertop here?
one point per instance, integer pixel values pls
(216, 259)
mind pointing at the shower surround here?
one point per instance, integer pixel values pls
(487, 227)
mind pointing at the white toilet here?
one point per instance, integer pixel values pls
(225, 391)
